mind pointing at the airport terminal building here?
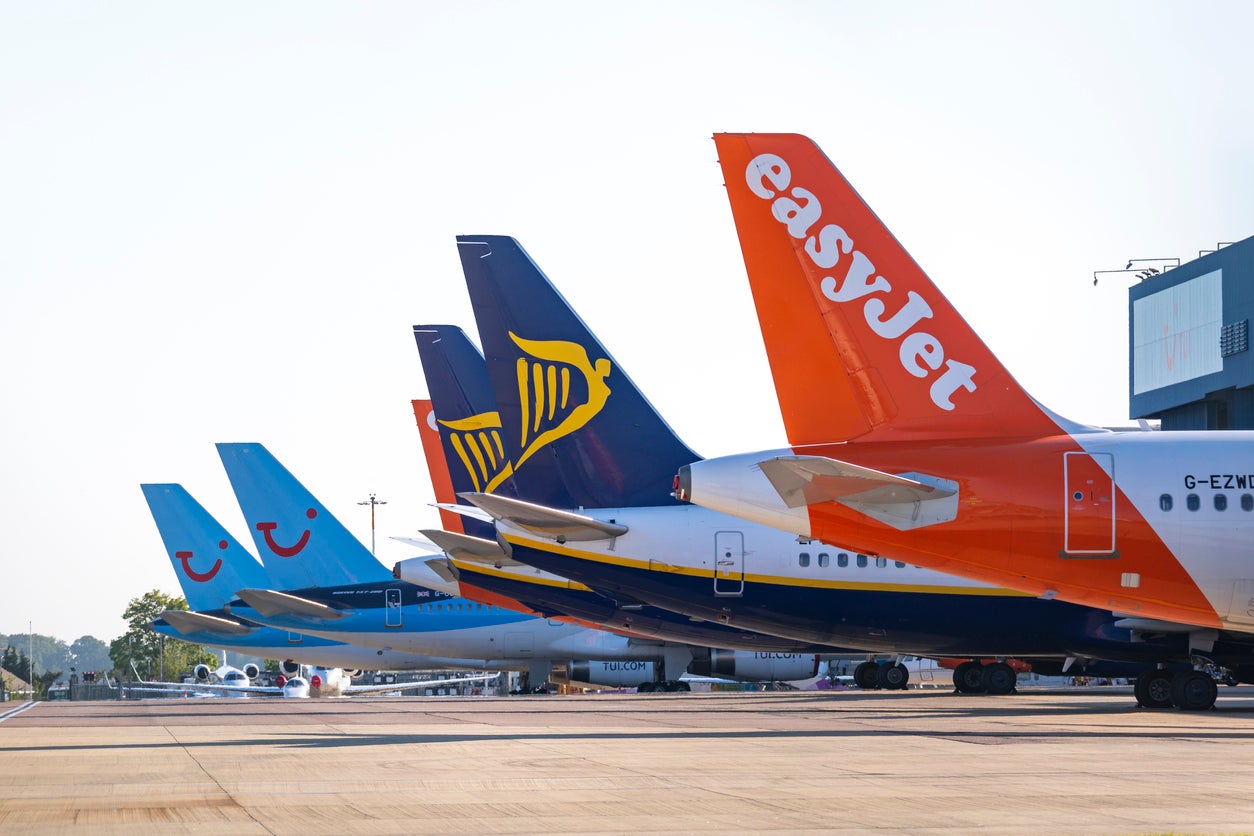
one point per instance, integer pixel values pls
(1188, 342)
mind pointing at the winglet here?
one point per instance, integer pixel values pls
(861, 343)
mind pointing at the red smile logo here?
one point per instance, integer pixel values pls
(285, 551)
(199, 577)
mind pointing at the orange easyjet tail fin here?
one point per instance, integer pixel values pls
(861, 343)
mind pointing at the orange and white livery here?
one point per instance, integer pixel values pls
(910, 439)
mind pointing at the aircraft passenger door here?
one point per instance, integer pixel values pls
(392, 607)
(1089, 519)
(729, 563)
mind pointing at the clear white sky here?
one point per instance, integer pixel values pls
(218, 222)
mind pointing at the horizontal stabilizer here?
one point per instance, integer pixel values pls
(443, 567)
(418, 543)
(193, 622)
(904, 501)
(809, 480)
(270, 603)
(472, 549)
(546, 522)
(464, 510)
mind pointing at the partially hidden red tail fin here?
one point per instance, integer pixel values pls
(437, 465)
(861, 342)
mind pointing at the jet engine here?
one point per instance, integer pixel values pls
(753, 665)
(613, 674)
(289, 668)
(202, 673)
(251, 671)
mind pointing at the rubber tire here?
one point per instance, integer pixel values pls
(866, 676)
(999, 678)
(1194, 691)
(892, 677)
(646, 688)
(1153, 689)
(968, 678)
(682, 687)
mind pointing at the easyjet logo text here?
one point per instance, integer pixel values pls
(921, 354)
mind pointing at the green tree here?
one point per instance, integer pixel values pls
(152, 653)
(19, 664)
(90, 654)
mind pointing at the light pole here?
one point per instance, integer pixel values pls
(372, 503)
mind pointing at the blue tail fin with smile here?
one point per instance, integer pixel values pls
(211, 565)
(300, 542)
(571, 413)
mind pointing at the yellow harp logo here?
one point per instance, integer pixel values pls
(477, 440)
(559, 388)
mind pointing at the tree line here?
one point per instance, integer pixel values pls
(155, 656)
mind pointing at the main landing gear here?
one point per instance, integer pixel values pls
(889, 676)
(1188, 691)
(994, 678)
(668, 686)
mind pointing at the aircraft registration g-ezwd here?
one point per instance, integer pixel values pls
(909, 439)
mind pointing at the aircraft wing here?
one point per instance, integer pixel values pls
(546, 522)
(269, 602)
(191, 622)
(904, 500)
(465, 547)
(409, 686)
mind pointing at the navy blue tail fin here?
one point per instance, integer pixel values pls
(570, 412)
(477, 456)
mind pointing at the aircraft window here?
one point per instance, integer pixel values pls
(1192, 502)
(842, 560)
(803, 559)
(1164, 502)
(881, 562)
(1247, 502)
(824, 558)
(899, 564)
(1221, 502)
(862, 561)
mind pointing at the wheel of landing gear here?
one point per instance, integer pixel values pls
(998, 678)
(866, 676)
(969, 678)
(1194, 691)
(892, 677)
(646, 688)
(682, 687)
(1153, 689)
